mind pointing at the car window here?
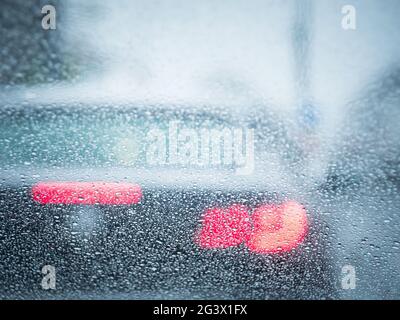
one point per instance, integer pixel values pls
(200, 149)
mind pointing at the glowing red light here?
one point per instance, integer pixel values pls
(278, 229)
(270, 229)
(90, 193)
(222, 228)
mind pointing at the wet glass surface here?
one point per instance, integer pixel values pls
(206, 106)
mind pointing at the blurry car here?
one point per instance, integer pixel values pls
(80, 193)
(200, 150)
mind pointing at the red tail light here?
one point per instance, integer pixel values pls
(275, 228)
(278, 229)
(224, 228)
(86, 193)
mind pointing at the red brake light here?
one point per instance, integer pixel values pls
(224, 228)
(275, 228)
(86, 193)
(278, 229)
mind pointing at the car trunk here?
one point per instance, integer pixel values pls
(146, 250)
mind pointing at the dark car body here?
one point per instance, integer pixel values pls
(144, 250)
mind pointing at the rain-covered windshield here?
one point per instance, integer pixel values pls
(200, 149)
(86, 137)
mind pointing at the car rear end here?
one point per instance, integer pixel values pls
(72, 200)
